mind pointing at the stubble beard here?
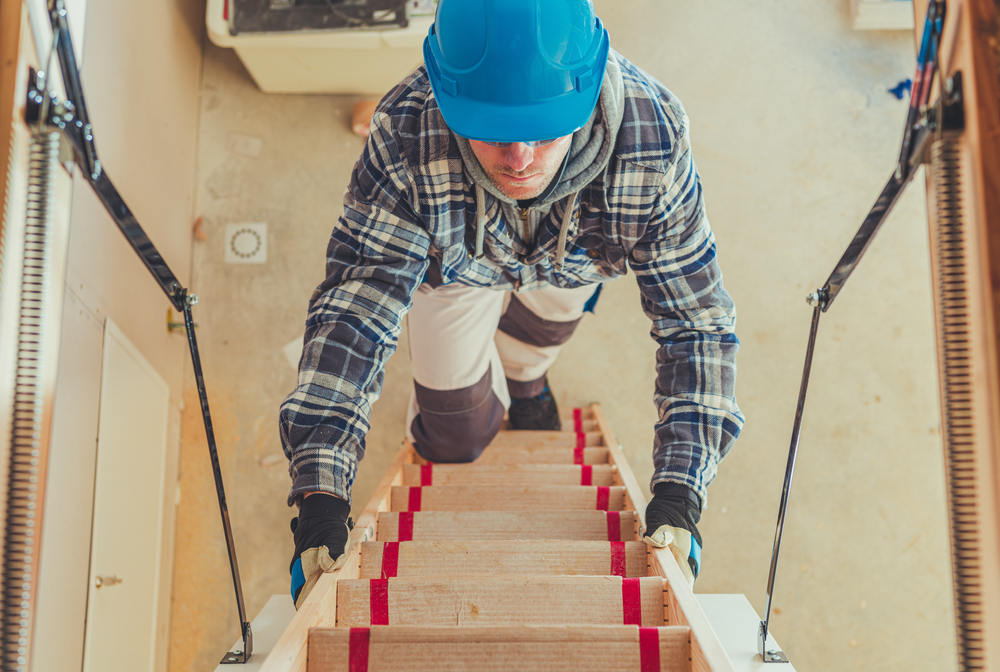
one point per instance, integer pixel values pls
(496, 176)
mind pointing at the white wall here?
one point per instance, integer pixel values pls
(141, 68)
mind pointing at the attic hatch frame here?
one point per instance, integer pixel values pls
(53, 120)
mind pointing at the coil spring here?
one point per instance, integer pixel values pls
(23, 530)
(959, 420)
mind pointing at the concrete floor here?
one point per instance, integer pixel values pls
(794, 135)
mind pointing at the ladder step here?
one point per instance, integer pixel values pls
(525, 648)
(507, 498)
(543, 455)
(385, 560)
(571, 425)
(507, 474)
(501, 600)
(579, 420)
(573, 420)
(469, 525)
(523, 438)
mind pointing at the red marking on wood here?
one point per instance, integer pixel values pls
(426, 474)
(578, 456)
(357, 650)
(586, 475)
(405, 532)
(649, 649)
(378, 600)
(614, 526)
(390, 559)
(414, 503)
(225, 10)
(631, 603)
(577, 419)
(603, 495)
(581, 440)
(617, 558)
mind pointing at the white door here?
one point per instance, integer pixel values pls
(128, 511)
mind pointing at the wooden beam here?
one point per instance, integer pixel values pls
(320, 606)
(478, 600)
(527, 525)
(608, 648)
(707, 652)
(10, 45)
(963, 208)
(507, 498)
(682, 608)
(635, 498)
(432, 558)
(507, 474)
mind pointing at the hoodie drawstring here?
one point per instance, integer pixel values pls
(481, 221)
(567, 219)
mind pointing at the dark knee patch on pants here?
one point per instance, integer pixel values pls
(525, 390)
(520, 323)
(456, 425)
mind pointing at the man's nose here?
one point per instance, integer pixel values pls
(518, 156)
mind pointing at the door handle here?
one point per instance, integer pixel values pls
(100, 581)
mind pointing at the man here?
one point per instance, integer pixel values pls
(524, 165)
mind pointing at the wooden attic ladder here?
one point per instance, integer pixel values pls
(528, 559)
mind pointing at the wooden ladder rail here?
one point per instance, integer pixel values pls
(319, 611)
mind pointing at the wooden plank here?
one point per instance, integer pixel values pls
(549, 439)
(707, 652)
(469, 525)
(609, 648)
(507, 498)
(965, 269)
(682, 607)
(501, 600)
(320, 606)
(543, 455)
(635, 498)
(569, 425)
(568, 413)
(10, 44)
(432, 558)
(570, 422)
(507, 474)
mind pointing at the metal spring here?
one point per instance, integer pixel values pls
(959, 420)
(23, 530)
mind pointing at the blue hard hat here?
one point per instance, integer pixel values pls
(516, 70)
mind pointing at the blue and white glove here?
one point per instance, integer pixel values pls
(321, 532)
(672, 522)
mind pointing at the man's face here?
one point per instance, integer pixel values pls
(519, 171)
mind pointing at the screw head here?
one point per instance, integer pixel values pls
(192, 299)
(813, 299)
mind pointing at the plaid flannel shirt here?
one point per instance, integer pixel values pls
(410, 215)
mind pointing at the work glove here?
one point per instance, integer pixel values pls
(321, 532)
(672, 522)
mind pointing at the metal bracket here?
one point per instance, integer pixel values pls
(239, 657)
(768, 655)
(947, 115)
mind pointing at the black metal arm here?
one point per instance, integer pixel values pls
(69, 116)
(923, 123)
